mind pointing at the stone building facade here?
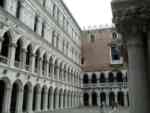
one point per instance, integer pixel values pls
(104, 74)
(40, 50)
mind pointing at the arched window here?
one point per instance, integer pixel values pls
(6, 44)
(85, 79)
(119, 77)
(111, 98)
(18, 54)
(94, 78)
(37, 59)
(44, 64)
(111, 77)
(28, 57)
(102, 78)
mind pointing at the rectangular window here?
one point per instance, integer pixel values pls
(35, 23)
(18, 9)
(43, 29)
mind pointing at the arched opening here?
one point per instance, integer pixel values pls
(28, 57)
(35, 97)
(2, 93)
(5, 45)
(85, 79)
(49, 98)
(111, 98)
(119, 77)
(111, 77)
(25, 98)
(120, 98)
(44, 64)
(102, 78)
(94, 99)
(50, 66)
(37, 58)
(94, 79)
(103, 98)
(42, 98)
(86, 99)
(14, 98)
(18, 53)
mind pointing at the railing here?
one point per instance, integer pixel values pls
(4, 60)
(106, 85)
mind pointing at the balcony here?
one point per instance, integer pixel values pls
(106, 85)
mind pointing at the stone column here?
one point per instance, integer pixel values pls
(11, 54)
(30, 100)
(40, 71)
(1, 40)
(32, 63)
(107, 99)
(7, 100)
(52, 101)
(23, 59)
(38, 104)
(62, 100)
(45, 100)
(125, 100)
(90, 99)
(19, 101)
(47, 69)
(133, 31)
(98, 100)
(116, 97)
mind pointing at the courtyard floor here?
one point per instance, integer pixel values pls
(92, 110)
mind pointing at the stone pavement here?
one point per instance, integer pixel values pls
(91, 110)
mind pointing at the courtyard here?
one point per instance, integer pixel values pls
(92, 110)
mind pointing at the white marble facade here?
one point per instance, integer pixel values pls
(39, 57)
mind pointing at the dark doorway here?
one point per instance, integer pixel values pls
(25, 97)
(103, 97)
(94, 99)
(14, 98)
(86, 99)
(111, 98)
(120, 98)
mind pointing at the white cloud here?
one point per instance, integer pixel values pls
(90, 12)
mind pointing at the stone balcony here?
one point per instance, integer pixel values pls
(106, 85)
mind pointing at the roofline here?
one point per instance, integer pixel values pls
(65, 6)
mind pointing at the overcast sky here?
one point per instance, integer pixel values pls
(90, 12)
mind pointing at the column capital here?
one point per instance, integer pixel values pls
(130, 17)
